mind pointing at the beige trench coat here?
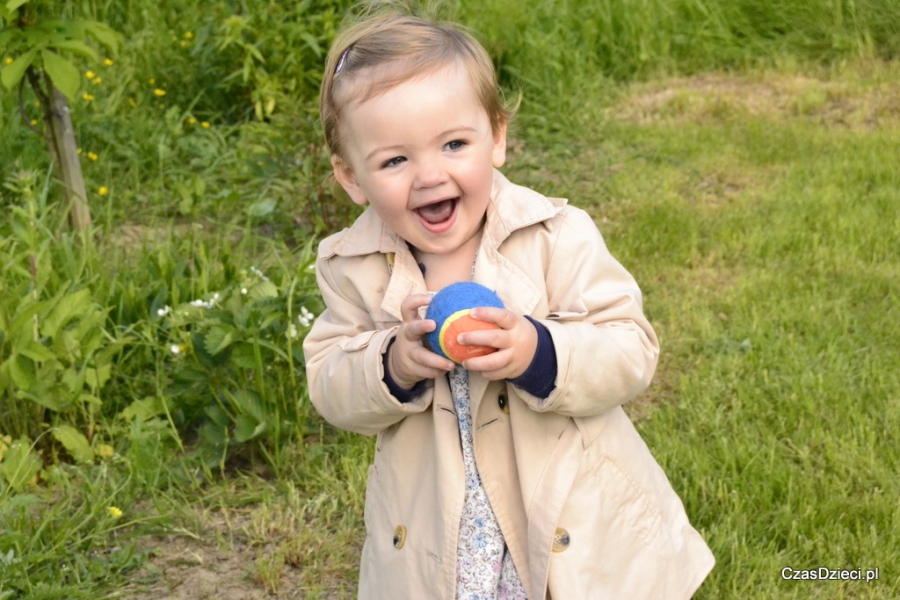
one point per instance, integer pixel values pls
(585, 509)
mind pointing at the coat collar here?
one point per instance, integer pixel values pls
(512, 207)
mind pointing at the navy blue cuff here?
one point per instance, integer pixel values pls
(539, 379)
(398, 392)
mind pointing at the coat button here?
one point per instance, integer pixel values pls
(503, 402)
(399, 536)
(560, 539)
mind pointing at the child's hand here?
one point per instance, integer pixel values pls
(409, 361)
(516, 342)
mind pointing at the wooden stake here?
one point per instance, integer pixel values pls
(65, 154)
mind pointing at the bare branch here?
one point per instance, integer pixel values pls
(22, 111)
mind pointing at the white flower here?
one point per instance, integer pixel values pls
(258, 273)
(175, 348)
(164, 310)
(292, 331)
(305, 317)
(244, 291)
(206, 304)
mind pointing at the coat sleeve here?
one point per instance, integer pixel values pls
(344, 367)
(606, 349)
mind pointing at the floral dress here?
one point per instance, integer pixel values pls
(484, 566)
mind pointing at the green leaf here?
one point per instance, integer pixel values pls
(104, 34)
(263, 289)
(55, 398)
(75, 443)
(7, 35)
(146, 409)
(21, 370)
(218, 338)
(97, 378)
(4, 375)
(20, 464)
(36, 352)
(12, 5)
(79, 48)
(90, 399)
(67, 308)
(14, 71)
(243, 356)
(248, 403)
(260, 209)
(247, 428)
(73, 379)
(22, 501)
(63, 73)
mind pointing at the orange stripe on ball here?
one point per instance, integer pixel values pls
(458, 323)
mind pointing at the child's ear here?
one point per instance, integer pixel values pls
(344, 175)
(499, 154)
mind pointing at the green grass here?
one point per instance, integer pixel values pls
(766, 246)
(755, 199)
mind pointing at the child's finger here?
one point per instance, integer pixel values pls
(501, 317)
(495, 338)
(416, 329)
(429, 360)
(492, 367)
(409, 307)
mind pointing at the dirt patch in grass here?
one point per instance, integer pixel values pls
(869, 99)
(228, 560)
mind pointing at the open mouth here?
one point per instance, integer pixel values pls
(438, 216)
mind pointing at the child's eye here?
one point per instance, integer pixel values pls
(454, 145)
(393, 162)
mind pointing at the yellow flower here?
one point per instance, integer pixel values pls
(34, 121)
(7, 61)
(92, 156)
(192, 121)
(151, 81)
(78, 151)
(159, 92)
(87, 96)
(103, 190)
(114, 511)
(108, 62)
(132, 102)
(89, 75)
(96, 80)
(104, 450)
(185, 43)
(205, 124)
(188, 35)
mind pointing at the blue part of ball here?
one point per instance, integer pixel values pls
(455, 297)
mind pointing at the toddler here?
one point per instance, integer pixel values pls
(516, 474)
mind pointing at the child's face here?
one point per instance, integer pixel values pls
(422, 154)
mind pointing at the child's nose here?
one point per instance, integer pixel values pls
(430, 175)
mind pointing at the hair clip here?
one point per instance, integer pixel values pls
(340, 64)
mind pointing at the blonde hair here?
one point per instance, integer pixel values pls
(388, 44)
